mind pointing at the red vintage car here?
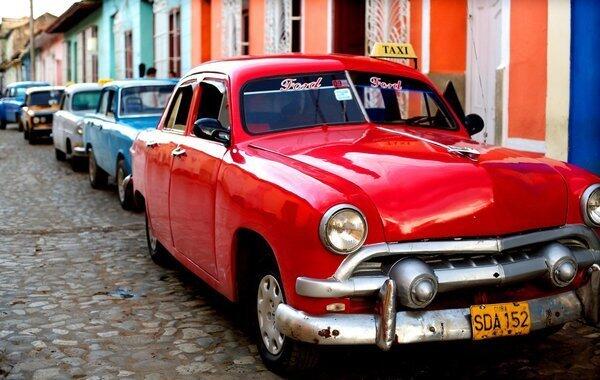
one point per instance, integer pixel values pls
(342, 201)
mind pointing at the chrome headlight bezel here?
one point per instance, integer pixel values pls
(328, 216)
(585, 198)
(35, 120)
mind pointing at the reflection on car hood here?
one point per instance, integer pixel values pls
(422, 190)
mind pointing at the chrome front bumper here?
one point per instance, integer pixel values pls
(411, 326)
(482, 262)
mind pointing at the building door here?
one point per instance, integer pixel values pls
(349, 27)
(483, 60)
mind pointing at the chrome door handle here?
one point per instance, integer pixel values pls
(151, 144)
(178, 152)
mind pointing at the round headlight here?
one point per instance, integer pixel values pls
(79, 131)
(36, 120)
(42, 119)
(343, 229)
(590, 204)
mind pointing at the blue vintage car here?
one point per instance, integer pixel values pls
(12, 100)
(125, 108)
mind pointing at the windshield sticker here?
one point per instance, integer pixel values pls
(290, 84)
(340, 83)
(342, 94)
(377, 82)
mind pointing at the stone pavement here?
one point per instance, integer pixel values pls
(79, 298)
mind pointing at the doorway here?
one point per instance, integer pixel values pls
(483, 59)
(349, 27)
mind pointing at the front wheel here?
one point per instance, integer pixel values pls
(125, 192)
(98, 177)
(158, 253)
(278, 352)
(20, 126)
(2, 124)
(25, 133)
(59, 154)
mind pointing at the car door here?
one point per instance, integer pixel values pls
(194, 171)
(58, 127)
(159, 145)
(93, 127)
(106, 156)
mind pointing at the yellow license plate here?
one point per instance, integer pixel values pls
(500, 319)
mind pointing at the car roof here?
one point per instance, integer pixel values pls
(272, 65)
(44, 89)
(27, 84)
(139, 82)
(77, 87)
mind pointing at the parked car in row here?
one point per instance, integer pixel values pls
(67, 126)
(342, 201)
(125, 108)
(12, 100)
(36, 114)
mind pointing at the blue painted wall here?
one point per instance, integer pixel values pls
(584, 112)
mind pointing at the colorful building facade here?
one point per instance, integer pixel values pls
(512, 62)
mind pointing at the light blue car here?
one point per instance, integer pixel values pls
(12, 101)
(125, 108)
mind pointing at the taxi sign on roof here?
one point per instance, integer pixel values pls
(393, 50)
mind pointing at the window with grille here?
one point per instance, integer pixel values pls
(175, 42)
(128, 54)
(283, 31)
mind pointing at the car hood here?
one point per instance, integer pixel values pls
(423, 191)
(43, 110)
(140, 122)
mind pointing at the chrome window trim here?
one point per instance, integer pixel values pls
(584, 200)
(323, 227)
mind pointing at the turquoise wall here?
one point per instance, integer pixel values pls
(70, 38)
(135, 15)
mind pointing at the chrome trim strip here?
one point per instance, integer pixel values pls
(448, 278)
(467, 246)
(413, 326)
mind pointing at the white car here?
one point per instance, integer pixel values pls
(67, 125)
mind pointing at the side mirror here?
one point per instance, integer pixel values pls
(474, 123)
(208, 128)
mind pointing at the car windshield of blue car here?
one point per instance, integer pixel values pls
(299, 101)
(145, 100)
(398, 100)
(85, 100)
(45, 98)
(17, 92)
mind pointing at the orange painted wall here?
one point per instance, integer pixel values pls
(448, 50)
(196, 32)
(315, 26)
(215, 32)
(257, 26)
(416, 20)
(527, 70)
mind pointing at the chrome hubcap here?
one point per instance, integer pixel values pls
(120, 187)
(268, 298)
(151, 238)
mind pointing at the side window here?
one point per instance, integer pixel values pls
(112, 108)
(178, 113)
(63, 101)
(104, 101)
(214, 102)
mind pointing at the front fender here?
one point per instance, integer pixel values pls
(284, 204)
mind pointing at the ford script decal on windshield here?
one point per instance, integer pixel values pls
(377, 82)
(291, 84)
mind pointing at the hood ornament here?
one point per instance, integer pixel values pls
(464, 151)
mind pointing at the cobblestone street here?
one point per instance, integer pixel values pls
(80, 298)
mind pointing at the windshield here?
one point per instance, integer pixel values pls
(85, 100)
(393, 99)
(283, 103)
(44, 98)
(17, 92)
(145, 100)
